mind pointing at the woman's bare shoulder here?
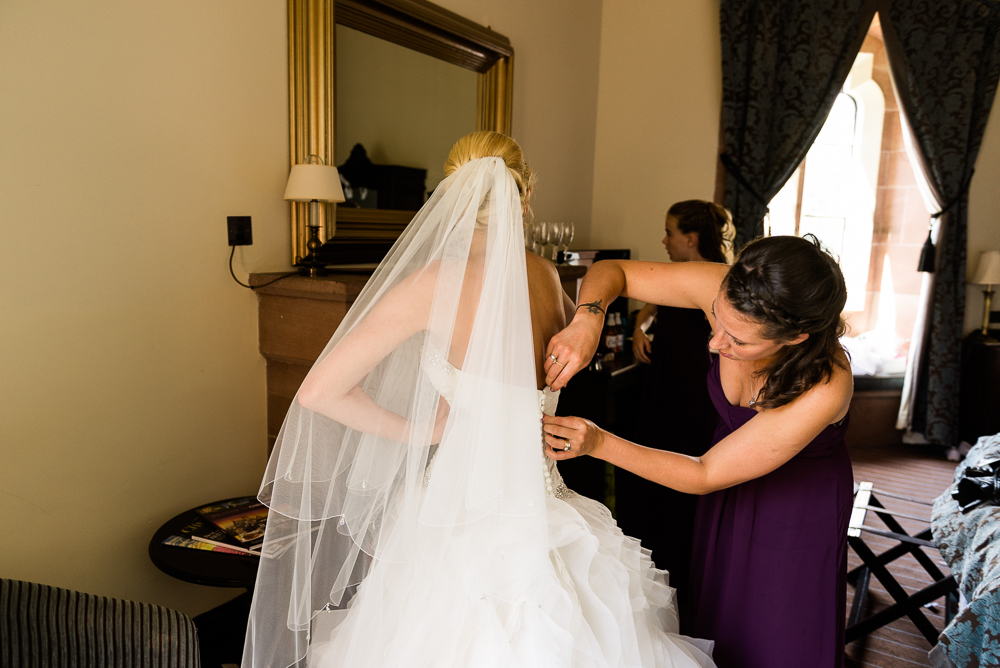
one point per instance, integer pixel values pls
(416, 290)
(843, 376)
(834, 395)
(541, 272)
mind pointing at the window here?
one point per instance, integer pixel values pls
(832, 192)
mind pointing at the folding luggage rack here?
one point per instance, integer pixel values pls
(876, 564)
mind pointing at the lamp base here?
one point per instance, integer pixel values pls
(311, 264)
(987, 300)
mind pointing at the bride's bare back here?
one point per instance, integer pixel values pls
(551, 309)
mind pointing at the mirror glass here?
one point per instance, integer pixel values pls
(405, 108)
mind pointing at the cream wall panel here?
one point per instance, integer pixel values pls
(556, 52)
(984, 214)
(657, 118)
(132, 386)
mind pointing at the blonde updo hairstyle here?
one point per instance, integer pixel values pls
(489, 144)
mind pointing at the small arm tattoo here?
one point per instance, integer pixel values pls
(593, 307)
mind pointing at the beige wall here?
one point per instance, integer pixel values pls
(984, 215)
(404, 107)
(556, 52)
(132, 386)
(657, 118)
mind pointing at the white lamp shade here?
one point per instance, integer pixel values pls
(314, 182)
(988, 271)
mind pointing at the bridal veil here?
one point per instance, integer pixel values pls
(345, 501)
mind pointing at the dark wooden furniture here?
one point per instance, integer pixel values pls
(941, 585)
(874, 408)
(979, 401)
(396, 187)
(570, 276)
(214, 569)
(609, 398)
(222, 629)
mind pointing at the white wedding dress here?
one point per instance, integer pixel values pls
(384, 552)
(596, 601)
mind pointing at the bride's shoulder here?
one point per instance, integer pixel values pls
(415, 291)
(422, 278)
(540, 269)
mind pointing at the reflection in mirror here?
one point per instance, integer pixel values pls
(405, 109)
(362, 235)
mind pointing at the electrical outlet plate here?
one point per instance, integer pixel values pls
(240, 233)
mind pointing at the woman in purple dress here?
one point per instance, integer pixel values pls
(770, 549)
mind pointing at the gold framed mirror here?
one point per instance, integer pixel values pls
(357, 235)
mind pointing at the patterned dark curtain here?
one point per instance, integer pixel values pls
(945, 60)
(783, 63)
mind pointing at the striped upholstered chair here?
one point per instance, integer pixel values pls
(48, 627)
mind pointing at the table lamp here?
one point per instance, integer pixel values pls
(313, 183)
(988, 274)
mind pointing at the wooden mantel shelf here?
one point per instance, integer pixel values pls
(335, 287)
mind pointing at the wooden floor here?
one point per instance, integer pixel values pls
(904, 470)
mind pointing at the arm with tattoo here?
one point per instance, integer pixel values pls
(593, 307)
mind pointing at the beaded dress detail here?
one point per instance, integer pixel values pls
(444, 376)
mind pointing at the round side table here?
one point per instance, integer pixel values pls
(215, 569)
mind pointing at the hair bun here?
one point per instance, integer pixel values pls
(489, 144)
(712, 222)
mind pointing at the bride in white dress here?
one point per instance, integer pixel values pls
(415, 521)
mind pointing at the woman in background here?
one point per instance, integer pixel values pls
(676, 412)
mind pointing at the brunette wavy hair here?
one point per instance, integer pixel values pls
(712, 222)
(790, 286)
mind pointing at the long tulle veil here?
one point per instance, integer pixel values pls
(358, 516)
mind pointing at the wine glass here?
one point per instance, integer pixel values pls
(569, 229)
(539, 236)
(555, 238)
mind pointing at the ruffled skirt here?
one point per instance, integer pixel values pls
(492, 599)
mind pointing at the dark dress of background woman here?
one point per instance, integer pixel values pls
(677, 415)
(675, 410)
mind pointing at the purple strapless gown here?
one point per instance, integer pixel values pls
(769, 561)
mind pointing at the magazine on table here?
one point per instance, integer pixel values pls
(203, 535)
(195, 543)
(232, 527)
(243, 519)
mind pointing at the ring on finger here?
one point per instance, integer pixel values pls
(554, 359)
(559, 363)
(567, 446)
